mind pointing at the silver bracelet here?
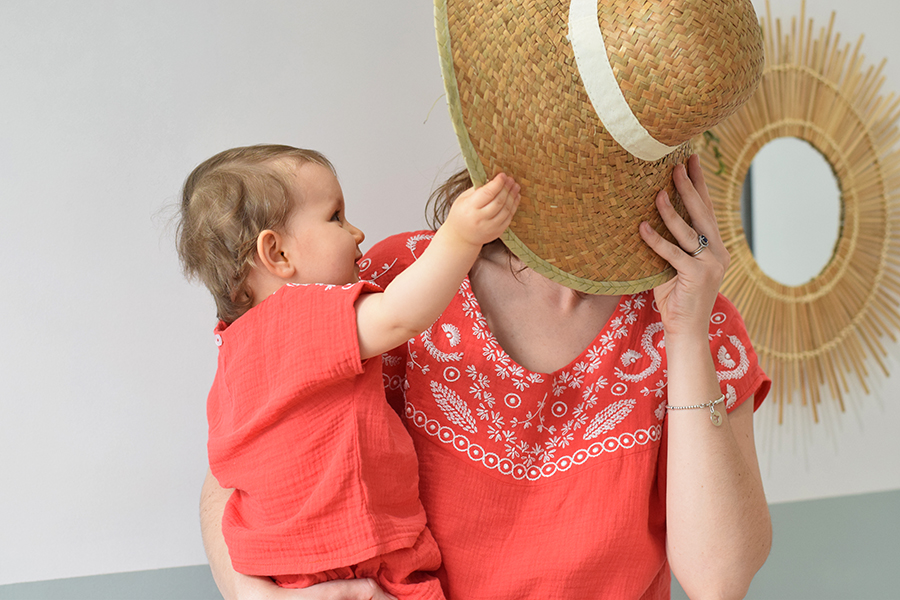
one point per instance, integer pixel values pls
(714, 415)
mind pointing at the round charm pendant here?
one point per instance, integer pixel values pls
(715, 416)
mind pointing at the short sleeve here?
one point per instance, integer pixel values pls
(737, 365)
(300, 338)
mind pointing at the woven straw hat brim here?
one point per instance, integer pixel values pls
(519, 105)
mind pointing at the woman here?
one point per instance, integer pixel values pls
(573, 445)
(716, 530)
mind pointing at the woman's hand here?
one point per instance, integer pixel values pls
(685, 302)
(345, 589)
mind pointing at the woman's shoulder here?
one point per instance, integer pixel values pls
(392, 255)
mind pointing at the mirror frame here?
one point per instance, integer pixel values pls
(818, 338)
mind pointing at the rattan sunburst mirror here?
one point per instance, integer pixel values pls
(820, 339)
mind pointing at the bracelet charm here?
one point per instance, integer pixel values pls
(714, 415)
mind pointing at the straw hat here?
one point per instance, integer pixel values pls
(590, 104)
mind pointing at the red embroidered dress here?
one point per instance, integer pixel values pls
(546, 485)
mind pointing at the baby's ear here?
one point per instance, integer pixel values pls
(270, 254)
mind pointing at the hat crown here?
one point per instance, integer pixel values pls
(683, 66)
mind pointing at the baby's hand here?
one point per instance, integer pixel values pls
(481, 214)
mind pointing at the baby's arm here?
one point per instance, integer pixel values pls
(418, 296)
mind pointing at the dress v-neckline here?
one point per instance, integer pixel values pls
(467, 285)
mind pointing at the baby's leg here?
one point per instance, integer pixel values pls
(407, 573)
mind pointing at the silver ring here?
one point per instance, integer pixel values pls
(704, 242)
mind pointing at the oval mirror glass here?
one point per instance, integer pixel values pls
(791, 211)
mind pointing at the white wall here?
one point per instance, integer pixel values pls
(107, 352)
(106, 356)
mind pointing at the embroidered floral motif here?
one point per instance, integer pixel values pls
(725, 358)
(649, 350)
(736, 369)
(659, 389)
(629, 356)
(608, 418)
(453, 407)
(391, 360)
(452, 334)
(437, 354)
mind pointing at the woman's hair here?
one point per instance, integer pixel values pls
(442, 198)
(440, 201)
(228, 200)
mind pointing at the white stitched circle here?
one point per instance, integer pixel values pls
(559, 409)
(451, 374)
(619, 388)
(512, 400)
(476, 452)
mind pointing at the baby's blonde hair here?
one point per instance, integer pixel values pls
(228, 200)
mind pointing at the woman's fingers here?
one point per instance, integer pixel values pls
(695, 172)
(672, 254)
(342, 589)
(693, 191)
(684, 234)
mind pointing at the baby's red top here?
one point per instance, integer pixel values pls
(324, 473)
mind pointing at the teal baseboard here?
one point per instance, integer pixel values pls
(845, 548)
(831, 549)
(182, 583)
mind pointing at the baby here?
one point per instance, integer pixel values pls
(324, 474)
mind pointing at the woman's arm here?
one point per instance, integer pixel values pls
(234, 585)
(718, 527)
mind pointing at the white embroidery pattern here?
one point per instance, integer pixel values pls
(453, 406)
(530, 425)
(452, 333)
(526, 469)
(608, 418)
(650, 350)
(437, 354)
(736, 369)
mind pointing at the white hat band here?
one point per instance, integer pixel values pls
(601, 85)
